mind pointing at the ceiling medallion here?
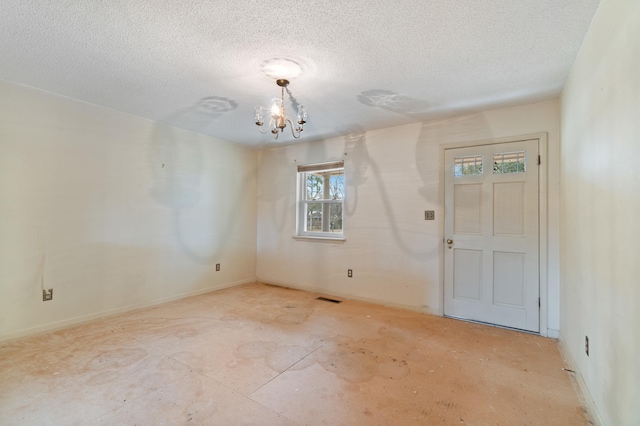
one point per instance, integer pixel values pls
(281, 68)
(278, 120)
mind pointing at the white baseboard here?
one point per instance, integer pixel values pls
(583, 390)
(353, 297)
(85, 318)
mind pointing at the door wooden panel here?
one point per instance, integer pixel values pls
(467, 209)
(508, 209)
(467, 280)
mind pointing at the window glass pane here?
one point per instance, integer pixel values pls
(335, 212)
(323, 217)
(313, 216)
(336, 182)
(509, 162)
(467, 166)
(315, 186)
(325, 185)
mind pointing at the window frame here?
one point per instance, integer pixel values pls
(302, 201)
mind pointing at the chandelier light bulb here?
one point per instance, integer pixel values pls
(276, 108)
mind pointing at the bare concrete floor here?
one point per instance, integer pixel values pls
(263, 355)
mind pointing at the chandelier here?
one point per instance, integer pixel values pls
(278, 120)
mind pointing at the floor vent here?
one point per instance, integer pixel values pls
(326, 299)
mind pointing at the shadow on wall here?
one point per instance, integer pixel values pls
(281, 198)
(361, 168)
(428, 161)
(177, 169)
(469, 127)
(355, 149)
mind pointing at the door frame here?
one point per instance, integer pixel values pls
(542, 215)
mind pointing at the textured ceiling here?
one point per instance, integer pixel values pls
(366, 64)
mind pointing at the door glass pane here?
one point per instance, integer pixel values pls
(467, 166)
(509, 162)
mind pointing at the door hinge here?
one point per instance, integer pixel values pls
(539, 160)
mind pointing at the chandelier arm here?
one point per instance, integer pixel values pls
(270, 127)
(294, 131)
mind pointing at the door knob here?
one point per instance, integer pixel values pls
(449, 242)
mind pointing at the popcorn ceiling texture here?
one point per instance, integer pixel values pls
(365, 64)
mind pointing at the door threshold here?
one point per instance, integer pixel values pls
(536, 333)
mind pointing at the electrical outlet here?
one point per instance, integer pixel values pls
(349, 273)
(429, 215)
(586, 345)
(47, 294)
(217, 267)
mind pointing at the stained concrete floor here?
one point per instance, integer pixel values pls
(264, 355)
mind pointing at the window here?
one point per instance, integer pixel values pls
(320, 199)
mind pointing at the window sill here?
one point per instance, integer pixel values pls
(339, 240)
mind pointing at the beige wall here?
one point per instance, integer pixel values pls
(392, 176)
(113, 211)
(600, 260)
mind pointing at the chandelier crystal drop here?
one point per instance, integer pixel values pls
(278, 120)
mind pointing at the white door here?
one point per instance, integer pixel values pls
(491, 234)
